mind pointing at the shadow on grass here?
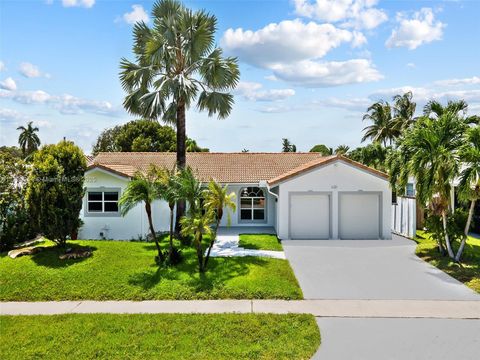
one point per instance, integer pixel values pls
(49, 257)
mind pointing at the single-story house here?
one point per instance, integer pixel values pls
(301, 195)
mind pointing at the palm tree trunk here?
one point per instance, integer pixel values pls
(181, 157)
(467, 227)
(214, 237)
(447, 239)
(201, 268)
(148, 209)
(170, 252)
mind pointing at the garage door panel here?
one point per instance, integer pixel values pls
(310, 216)
(359, 216)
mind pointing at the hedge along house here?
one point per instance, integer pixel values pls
(300, 195)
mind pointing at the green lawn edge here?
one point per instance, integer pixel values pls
(159, 336)
(122, 270)
(468, 272)
(260, 242)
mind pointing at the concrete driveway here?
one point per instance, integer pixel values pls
(369, 269)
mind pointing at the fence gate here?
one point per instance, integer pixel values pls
(404, 216)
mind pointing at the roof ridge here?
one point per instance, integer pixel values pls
(214, 153)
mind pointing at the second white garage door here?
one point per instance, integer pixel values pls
(359, 216)
(309, 216)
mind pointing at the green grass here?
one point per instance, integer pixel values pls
(164, 336)
(467, 272)
(260, 242)
(121, 270)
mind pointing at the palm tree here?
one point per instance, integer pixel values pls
(287, 146)
(190, 189)
(470, 177)
(341, 149)
(403, 111)
(383, 125)
(217, 198)
(178, 64)
(429, 152)
(28, 140)
(322, 149)
(142, 189)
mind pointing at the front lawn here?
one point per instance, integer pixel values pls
(159, 336)
(121, 270)
(467, 272)
(260, 242)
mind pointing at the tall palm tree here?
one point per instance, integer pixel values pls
(217, 199)
(178, 64)
(342, 149)
(142, 189)
(403, 111)
(383, 127)
(469, 178)
(28, 140)
(429, 152)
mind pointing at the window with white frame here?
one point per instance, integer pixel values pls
(252, 204)
(102, 202)
(410, 190)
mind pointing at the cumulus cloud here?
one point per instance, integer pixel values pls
(323, 74)
(10, 116)
(31, 71)
(2, 66)
(286, 42)
(422, 28)
(474, 80)
(352, 104)
(360, 14)
(8, 84)
(78, 3)
(65, 104)
(253, 91)
(137, 14)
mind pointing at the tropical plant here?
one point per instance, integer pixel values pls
(191, 146)
(403, 111)
(28, 139)
(341, 149)
(469, 178)
(322, 149)
(372, 155)
(177, 64)
(245, 150)
(382, 129)
(429, 152)
(142, 189)
(287, 146)
(55, 190)
(217, 198)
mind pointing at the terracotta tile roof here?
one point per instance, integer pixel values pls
(223, 167)
(89, 159)
(321, 162)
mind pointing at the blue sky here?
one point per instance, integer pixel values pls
(309, 68)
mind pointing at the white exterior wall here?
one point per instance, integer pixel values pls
(235, 217)
(134, 224)
(334, 178)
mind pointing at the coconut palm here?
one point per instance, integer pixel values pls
(429, 152)
(383, 127)
(28, 140)
(177, 64)
(217, 199)
(403, 111)
(470, 177)
(140, 189)
(341, 149)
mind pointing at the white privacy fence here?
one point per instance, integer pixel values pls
(404, 216)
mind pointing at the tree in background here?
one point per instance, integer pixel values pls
(287, 146)
(28, 139)
(373, 155)
(327, 151)
(13, 151)
(14, 219)
(403, 111)
(191, 146)
(55, 190)
(140, 135)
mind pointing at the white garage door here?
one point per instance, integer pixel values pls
(359, 216)
(309, 216)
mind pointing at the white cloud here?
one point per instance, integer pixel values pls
(10, 116)
(286, 42)
(31, 71)
(353, 104)
(8, 84)
(78, 3)
(65, 104)
(474, 80)
(411, 65)
(252, 91)
(422, 28)
(2, 66)
(137, 14)
(360, 14)
(323, 74)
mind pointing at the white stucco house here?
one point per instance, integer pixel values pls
(300, 195)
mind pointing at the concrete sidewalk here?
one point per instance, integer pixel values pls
(432, 309)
